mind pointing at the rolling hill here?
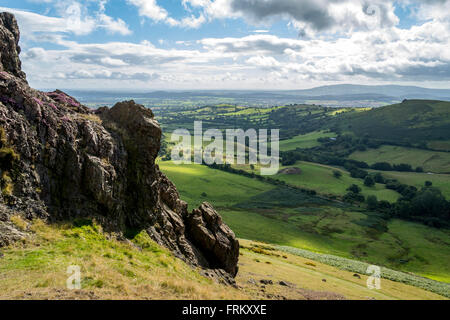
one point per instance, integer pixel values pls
(414, 122)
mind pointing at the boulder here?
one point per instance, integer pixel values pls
(216, 240)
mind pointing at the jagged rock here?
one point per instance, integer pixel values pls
(61, 160)
(217, 240)
(9, 45)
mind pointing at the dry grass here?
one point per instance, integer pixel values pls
(19, 222)
(90, 117)
(36, 268)
(306, 279)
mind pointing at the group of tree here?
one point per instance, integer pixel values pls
(426, 205)
(355, 167)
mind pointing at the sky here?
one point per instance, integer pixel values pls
(232, 44)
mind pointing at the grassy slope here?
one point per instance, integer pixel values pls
(222, 188)
(441, 181)
(320, 178)
(431, 161)
(305, 141)
(326, 229)
(306, 278)
(441, 145)
(36, 269)
(415, 121)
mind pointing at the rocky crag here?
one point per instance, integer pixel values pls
(60, 160)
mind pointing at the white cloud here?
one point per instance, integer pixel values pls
(113, 62)
(73, 19)
(306, 15)
(357, 45)
(151, 10)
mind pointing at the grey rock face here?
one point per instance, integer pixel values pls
(9, 45)
(61, 160)
(217, 240)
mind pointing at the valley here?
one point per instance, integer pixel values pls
(306, 208)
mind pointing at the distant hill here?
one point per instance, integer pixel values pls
(393, 91)
(346, 95)
(414, 121)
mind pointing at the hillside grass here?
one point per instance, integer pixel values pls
(414, 121)
(305, 141)
(305, 277)
(406, 247)
(222, 189)
(430, 161)
(441, 181)
(320, 178)
(441, 145)
(361, 269)
(287, 217)
(138, 269)
(36, 269)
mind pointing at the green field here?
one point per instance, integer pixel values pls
(283, 216)
(441, 145)
(139, 269)
(414, 121)
(320, 178)
(305, 141)
(441, 181)
(222, 189)
(430, 161)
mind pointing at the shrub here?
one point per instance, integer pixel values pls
(372, 202)
(337, 174)
(353, 197)
(378, 178)
(403, 167)
(354, 189)
(382, 166)
(369, 181)
(358, 173)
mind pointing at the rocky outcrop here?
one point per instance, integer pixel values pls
(62, 160)
(9, 45)
(217, 239)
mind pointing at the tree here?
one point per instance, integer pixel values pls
(372, 202)
(354, 189)
(403, 167)
(382, 166)
(369, 181)
(337, 174)
(378, 178)
(353, 197)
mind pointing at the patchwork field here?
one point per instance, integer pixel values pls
(199, 183)
(441, 145)
(305, 141)
(285, 216)
(430, 161)
(441, 181)
(320, 178)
